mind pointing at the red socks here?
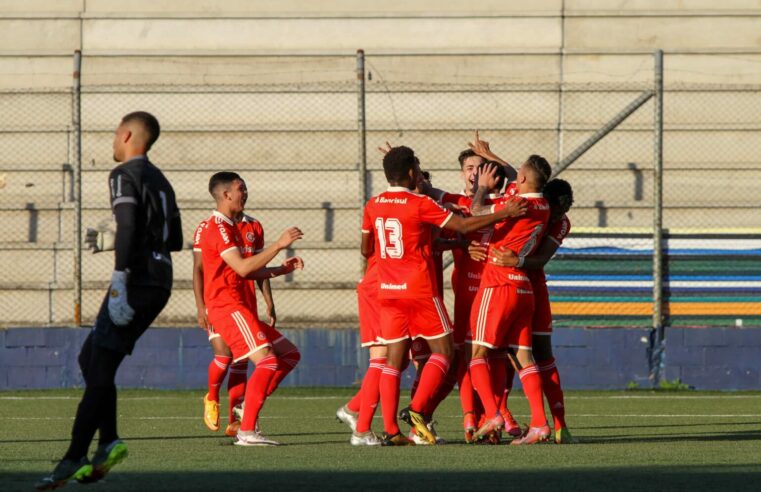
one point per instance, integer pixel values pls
(256, 390)
(553, 391)
(236, 385)
(217, 371)
(532, 386)
(467, 394)
(479, 374)
(498, 369)
(433, 374)
(370, 394)
(510, 375)
(389, 394)
(288, 362)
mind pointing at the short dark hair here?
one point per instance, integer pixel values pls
(222, 178)
(501, 173)
(397, 163)
(558, 193)
(466, 154)
(148, 122)
(542, 168)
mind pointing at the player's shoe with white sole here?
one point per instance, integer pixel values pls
(253, 438)
(418, 424)
(364, 439)
(494, 424)
(533, 436)
(348, 417)
(64, 471)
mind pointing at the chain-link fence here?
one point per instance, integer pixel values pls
(298, 145)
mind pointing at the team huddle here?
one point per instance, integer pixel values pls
(502, 229)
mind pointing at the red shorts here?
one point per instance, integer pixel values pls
(272, 333)
(542, 322)
(412, 318)
(419, 349)
(241, 331)
(369, 315)
(463, 303)
(501, 317)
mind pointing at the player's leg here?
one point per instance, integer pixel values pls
(486, 317)
(287, 353)
(551, 386)
(420, 352)
(520, 341)
(217, 371)
(429, 320)
(363, 435)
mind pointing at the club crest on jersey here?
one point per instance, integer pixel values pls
(250, 237)
(261, 336)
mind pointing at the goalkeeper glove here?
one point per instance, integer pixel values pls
(119, 310)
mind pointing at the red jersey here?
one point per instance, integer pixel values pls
(557, 232)
(521, 235)
(466, 273)
(252, 240)
(402, 222)
(221, 285)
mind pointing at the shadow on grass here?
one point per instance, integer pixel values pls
(694, 478)
(736, 436)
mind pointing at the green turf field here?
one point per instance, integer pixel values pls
(628, 441)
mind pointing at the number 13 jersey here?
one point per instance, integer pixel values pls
(402, 222)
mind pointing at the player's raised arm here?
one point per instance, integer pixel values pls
(481, 147)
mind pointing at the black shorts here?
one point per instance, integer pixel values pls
(147, 303)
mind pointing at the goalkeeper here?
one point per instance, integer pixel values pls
(147, 230)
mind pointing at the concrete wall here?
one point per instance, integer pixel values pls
(722, 359)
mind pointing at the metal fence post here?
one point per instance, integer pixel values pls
(77, 185)
(658, 335)
(362, 136)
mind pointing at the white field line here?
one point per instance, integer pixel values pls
(332, 417)
(347, 397)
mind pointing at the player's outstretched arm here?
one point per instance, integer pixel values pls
(464, 225)
(246, 266)
(537, 261)
(203, 321)
(266, 289)
(288, 266)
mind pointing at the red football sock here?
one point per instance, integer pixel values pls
(433, 374)
(256, 390)
(548, 371)
(445, 388)
(467, 395)
(370, 394)
(510, 375)
(236, 385)
(288, 362)
(498, 363)
(479, 374)
(217, 371)
(389, 395)
(532, 386)
(355, 404)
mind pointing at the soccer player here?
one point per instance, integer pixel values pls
(252, 235)
(560, 197)
(504, 305)
(148, 229)
(227, 270)
(409, 302)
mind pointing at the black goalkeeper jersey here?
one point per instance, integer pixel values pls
(157, 228)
